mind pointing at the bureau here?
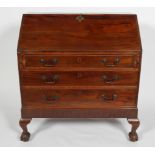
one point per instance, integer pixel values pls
(79, 66)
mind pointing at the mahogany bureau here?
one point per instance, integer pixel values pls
(79, 66)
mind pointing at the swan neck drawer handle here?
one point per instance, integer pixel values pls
(106, 64)
(51, 79)
(111, 79)
(106, 98)
(49, 63)
(51, 99)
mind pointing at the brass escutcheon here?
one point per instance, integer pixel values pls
(80, 18)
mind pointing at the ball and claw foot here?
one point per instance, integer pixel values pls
(25, 136)
(133, 134)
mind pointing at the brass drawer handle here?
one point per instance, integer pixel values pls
(50, 79)
(50, 99)
(110, 80)
(106, 98)
(49, 63)
(115, 63)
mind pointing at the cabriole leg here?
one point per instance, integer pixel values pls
(133, 134)
(25, 134)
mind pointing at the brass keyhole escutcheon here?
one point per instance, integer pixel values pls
(80, 18)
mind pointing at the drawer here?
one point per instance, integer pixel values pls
(91, 61)
(38, 97)
(89, 78)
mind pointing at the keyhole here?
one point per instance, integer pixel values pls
(79, 75)
(79, 60)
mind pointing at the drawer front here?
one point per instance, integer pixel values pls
(37, 97)
(80, 61)
(79, 78)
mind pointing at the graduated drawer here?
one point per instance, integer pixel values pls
(90, 61)
(36, 97)
(88, 78)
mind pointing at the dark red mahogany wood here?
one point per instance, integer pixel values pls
(67, 33)
(79, 66)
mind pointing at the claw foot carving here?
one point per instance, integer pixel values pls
(25, 136)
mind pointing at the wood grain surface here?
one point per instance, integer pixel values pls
(79, 66)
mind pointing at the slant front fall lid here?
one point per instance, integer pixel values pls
(67, 32)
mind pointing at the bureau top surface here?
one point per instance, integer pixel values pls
(79, 32)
